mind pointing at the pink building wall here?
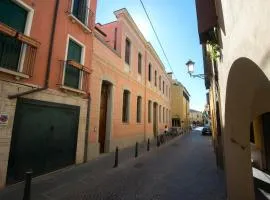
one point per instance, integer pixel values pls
(109, 65)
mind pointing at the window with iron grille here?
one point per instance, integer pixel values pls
(80, 10)
(15, 17)
(139, 108)
(127, 51)
(125, 109)
(149, 111)
(140, 63)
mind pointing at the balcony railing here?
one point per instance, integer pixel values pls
(17, 51)
(74, 76)
(80, 12)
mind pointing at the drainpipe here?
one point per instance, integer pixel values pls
(87, 129)
(49, 60)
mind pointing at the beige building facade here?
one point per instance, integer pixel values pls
(195, 117)
(180, 105)
(238, 80)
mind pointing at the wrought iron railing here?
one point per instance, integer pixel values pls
(68, 75)
(79, 9)
(17, 51)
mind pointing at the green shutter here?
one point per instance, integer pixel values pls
(13, 15)
(74, 51)
(72, 75)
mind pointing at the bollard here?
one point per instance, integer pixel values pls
(158, 141)
(148, 144)
(27, 187)
(136, 149)
(116, 157)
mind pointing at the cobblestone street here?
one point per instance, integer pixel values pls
(181, 169)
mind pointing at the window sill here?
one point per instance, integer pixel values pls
(72, 89)
(125, 123)
(75, 20)
(18, 75)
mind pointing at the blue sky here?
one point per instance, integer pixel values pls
(176, 24)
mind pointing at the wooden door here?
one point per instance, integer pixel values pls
(103, 116)
(266, 136)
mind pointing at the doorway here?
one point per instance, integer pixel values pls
(105, 116)
(40, 141)
(155, 121)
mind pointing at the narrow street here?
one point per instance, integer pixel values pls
(181, 169)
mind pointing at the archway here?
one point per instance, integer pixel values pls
(247, 96)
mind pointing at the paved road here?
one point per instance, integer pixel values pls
(182, 169)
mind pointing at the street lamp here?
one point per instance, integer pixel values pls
(190, 65)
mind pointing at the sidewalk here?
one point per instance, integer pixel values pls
(50, 186)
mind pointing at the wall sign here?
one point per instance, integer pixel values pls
(3, 119)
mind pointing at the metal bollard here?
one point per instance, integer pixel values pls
(158, 141)
(27, 187)
(116, 157)
(148, 144)
(136, 149)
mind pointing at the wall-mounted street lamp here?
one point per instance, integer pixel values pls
(190, 65)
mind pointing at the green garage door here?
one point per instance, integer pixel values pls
(44, 138)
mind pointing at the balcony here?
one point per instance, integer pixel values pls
(207, 19)
(17, 52)
(80, 13)
(74, 77)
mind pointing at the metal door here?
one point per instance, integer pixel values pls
(44, 138)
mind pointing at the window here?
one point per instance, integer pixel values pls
(160, 114)
(139, 108)
(127, 51)
(149, 111)
(73, 74)
(167, 115)
(163, 87)
(115, 39)
(125, 109)
(80, 10)
(163, 115)
(156, 78)
(159, 83)
(140, 63)
(15, 17)
(149, 72)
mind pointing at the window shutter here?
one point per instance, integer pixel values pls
(13, 15)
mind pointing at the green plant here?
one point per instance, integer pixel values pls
(214, 50)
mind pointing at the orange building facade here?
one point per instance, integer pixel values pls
(130, 89)
(45, 68)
